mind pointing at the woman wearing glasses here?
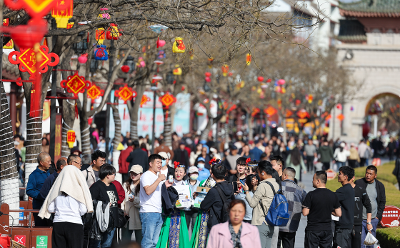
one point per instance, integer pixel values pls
(131, 205)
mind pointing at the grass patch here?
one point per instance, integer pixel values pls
(388, 237)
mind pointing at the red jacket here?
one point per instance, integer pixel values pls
(120, 191)
(123, 165)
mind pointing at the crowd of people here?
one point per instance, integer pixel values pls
(231, 191)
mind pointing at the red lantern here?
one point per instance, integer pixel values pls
(260, 79)
(298, 102)
(208, 74)
(125, 68)
(125, 93)
(269, 80)
(75, 84)
(303, 114)
(71, 138)
(83, 58)
(113, 32)
(208, 79)
(281, 81)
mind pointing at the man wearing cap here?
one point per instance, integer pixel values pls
(165, 169)
(230, 162)
(163, 148)
(181, 155)
(203, 172)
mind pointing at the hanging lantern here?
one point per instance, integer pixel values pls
(62, 16)
(100, 36)
(125, 93)
(269, 80)
(125, 68)
(75, 84)
(94, 92)
(36, 9)
(279, 101)
(140, 63)
(278, 89)
(298, 102)
(9, 45)
(70, 25)
(113, 32)
(248, 59)
(264, 85)
(207, 74)
(303, 114)
(309, 98)
(160, 43)
(210, 62)
(177, 71)
(100, 53)
(6, 22)
(260, 79)
(83, 58)
(71, 138)
(340, 117)
(104, 15)
(339, 106)
(144, 100)
(255, 112)
(283, 90)
(225, 70)
(178, 46)
(281, 81)
(167, 100)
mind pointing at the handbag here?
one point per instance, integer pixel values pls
(122, 218)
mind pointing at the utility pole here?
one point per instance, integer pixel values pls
(53, 107)
(110, 69)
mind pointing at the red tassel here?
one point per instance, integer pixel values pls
(76, 111)
(36, 91)
(166, 115)
(158, 39)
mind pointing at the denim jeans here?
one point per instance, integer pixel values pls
(151, 228)
(105, 242)
(374, 223)
(266, 233)
(340, 164)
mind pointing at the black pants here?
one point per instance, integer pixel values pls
(287, 239)
(326, 166)
(125, 177)
(313, 239)
(67, 235)
(362, 162)
(342, 238)
(310, 163)
(41, 222)
(352, 163)
(356, 236)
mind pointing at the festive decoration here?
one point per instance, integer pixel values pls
(100, 53)
(340, 117)
(351, 108)
(225, 70)
(297, 102)
(281, 81)
(83, 58)
(167, 100)
(125, 93)
(27, 59)
(94, 91)
(260, 79)
(158, 28)
(140, 63)
(70, 25)
(71, 138)
(270, 111)
(303, 114)
(100, 36)
(144, 100)
(255, 112)
(208, 79)
(248, 59)
(178, 46)
(240, 85)
(288, 113)
(177, 71)
(207, 74)
(6, 22)
(210, 62)
(75, 84)
(160, 43)
(309, 98)
(64, 14)
(125, 68)
(104, 15)
(36, 9)
(113, 32)
(9, 45)
(191, 55)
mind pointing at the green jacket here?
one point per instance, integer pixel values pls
(326, 154)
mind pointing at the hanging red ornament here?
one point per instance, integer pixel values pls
(125, 93)
(260, 79)
(62, 16)
(248, 59)
(94, 92)
(281, 81)
(113, 32)
(183, 88)
(75, 84)
(269, 80)
(207, 74)
(208, 79)
(76, 111)
(167, 100)
(298, 102)
(36, 9)
(225, 70)
(125, 68)
(83, 58)
(144, 100)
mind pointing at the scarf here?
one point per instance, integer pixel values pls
(235, 236)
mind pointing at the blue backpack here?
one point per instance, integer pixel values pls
(278, 214)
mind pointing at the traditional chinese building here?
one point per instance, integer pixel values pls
(370, 49)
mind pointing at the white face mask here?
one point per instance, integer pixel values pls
(200, 165)
(164, 162)
(194, 176)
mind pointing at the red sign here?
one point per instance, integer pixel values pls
(21, 239)
(376, 161)
(331, 174)
(75, 84)
(390, 216)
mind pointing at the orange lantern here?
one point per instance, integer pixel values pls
(225, 70)
(100, 35)
(340, 117)
(71, 138)
(303, 114)
(248, 59)
(70, 25)
(62, 12)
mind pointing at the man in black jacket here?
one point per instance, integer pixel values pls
(213, 201)
(377, 196)
(138, 156)
(181, 155)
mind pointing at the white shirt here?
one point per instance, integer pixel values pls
(67, 209)
(165, 172)
(150, 203)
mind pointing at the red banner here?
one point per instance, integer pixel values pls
(58, 138)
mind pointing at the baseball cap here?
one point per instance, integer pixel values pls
(201, 159)
(136, 169)
(164, 155)
(193, 169)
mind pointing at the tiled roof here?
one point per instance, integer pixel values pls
(371, 8)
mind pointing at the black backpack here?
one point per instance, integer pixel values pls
(224, 216)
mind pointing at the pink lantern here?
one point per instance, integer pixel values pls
(208, 74)
(208, 79)
(281, 81)
(260, 79)
(125, 68)
(83, 58)
(339, 106)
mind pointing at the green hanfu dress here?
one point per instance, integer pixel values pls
(200, 230)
